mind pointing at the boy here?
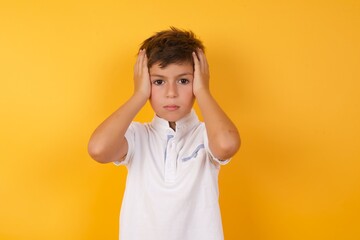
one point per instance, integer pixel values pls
(173, 162)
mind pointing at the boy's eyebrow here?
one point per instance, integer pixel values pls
(180, 75)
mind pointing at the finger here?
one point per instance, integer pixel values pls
(138, 61)
(196, 61)
(144, 61)
(202, 59)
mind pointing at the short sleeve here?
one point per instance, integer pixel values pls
(212, 157)
(130, 138)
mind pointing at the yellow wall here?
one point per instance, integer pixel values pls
(287, 72)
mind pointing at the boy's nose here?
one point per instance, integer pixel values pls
(171, 90)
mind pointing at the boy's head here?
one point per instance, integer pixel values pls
(171, 46)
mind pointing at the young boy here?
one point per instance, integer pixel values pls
(173, 161)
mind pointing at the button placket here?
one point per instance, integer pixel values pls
(170, 160)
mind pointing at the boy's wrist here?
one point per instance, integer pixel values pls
(201, 92)
(142, 97)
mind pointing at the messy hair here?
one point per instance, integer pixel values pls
(171, 46)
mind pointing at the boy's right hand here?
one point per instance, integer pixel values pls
(141, 75)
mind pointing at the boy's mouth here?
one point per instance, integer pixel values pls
(171, 107)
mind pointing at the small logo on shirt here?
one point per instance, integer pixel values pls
(194, 154)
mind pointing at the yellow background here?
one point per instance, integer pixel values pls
(286, 72)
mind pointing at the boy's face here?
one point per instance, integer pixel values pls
(172, 90)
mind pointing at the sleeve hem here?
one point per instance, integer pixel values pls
(212, 157)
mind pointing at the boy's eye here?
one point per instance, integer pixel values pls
(159, 82)
(183, 81)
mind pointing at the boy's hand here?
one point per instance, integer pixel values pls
(201, 72)
(141, 75)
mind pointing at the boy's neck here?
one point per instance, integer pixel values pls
(172, 125)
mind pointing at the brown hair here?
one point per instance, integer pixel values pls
(171, 46)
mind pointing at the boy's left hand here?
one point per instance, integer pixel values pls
(201, 72)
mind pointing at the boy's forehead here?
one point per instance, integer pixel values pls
(181, 66)
(172, 68)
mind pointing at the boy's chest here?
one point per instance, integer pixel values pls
(174, 158)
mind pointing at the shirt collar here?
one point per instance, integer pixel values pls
(182, 126)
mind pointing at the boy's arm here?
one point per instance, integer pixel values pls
(223, 136)
(108, 142)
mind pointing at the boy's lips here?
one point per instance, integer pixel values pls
(171, 107)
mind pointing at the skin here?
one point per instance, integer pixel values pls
(171, 91)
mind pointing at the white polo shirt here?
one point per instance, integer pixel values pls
(172, 183)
